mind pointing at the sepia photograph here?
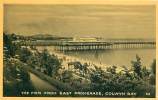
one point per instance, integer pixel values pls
(83, 50)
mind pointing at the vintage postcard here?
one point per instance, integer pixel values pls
(92, 50)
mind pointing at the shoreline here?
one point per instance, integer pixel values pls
(121, 58)
(66, 59)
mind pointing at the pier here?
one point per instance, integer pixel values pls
(94, 45)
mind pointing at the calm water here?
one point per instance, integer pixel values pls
(117, 57)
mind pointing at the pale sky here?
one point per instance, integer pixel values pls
(108, 21)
